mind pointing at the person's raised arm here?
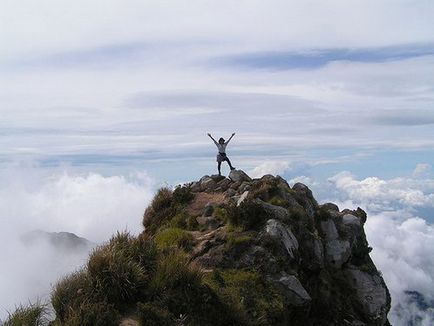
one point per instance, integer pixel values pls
(209, 135)
(230, 138)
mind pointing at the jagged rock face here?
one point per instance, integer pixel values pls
(315, 256)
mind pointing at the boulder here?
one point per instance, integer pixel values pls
(277, 212)
(328, 229)
(242, 198)
(292, 289)
(283, 233)
(371, 294)
(330, 207)
(337, 252)
(239, 176)
(349, 219)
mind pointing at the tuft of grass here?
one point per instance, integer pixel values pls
(174, 237)
(120, 270)
(159, 210)
(185, 221)
(233, 240)
(182, 195)
(278, 201)
(255, 300)
(33, 314)
(94, 314)
(152, 315)
(174, 270)
(69, 293)
(167, 205)
(249, 215)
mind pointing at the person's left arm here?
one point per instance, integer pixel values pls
(230, 138)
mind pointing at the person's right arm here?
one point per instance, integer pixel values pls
(215, 142)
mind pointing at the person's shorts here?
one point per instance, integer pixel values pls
(221, 157)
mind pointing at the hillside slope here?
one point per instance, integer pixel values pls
(231, 251)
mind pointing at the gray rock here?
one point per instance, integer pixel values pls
(208, 221)
(239, 176)
(208, 210)
(349, 219)
(311, 251)
(328, 228)
(371, 293)
(293, 291)
(208, 184)
(277, 212)
(337, 252)
(230, 192)
(280, 231)
(330, 207)
(244, 186)
(242, 198)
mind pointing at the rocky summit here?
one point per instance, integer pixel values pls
(315, 256)
(231, 251)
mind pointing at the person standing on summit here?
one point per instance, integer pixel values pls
(221, 156)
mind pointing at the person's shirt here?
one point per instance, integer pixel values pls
(221, 147)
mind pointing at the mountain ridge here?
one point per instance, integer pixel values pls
(231, 251)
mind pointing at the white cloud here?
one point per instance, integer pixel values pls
(92, 206)
(269, 167)
(422, 170)
(378, 194)
(402, 241)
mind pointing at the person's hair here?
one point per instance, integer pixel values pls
(221, 140)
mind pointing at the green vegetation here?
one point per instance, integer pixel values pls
(256, 301)
(165, 206)
(174, 237)
(249, 215)
(117, 275)
(234, 239)
(33, 314)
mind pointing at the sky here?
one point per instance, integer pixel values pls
(101, 102)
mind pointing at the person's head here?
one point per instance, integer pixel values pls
(221, 140)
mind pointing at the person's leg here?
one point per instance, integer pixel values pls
(219, 165)
(230, 165)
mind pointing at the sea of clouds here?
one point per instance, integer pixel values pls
(95, 206)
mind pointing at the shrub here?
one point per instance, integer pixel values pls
(257, 301)
(174, 237)
(152, 315)
(221, 214)
(167, 205)
(182, 195)
(159, 210)
(276, 200)
(174, 270)
(249, 215)
(120, 270)
(94, 314)
(69, 293)
(183, 220)
(35, 314)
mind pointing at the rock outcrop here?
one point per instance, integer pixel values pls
(316, 256)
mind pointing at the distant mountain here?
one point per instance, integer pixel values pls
(416, 309)
(61, 240)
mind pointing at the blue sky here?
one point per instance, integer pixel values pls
(337, 94)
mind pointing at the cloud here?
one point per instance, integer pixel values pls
(401, 239)
(269, 167)
(422, 170)
(311, 59)
(378, 194)
(90, 205)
